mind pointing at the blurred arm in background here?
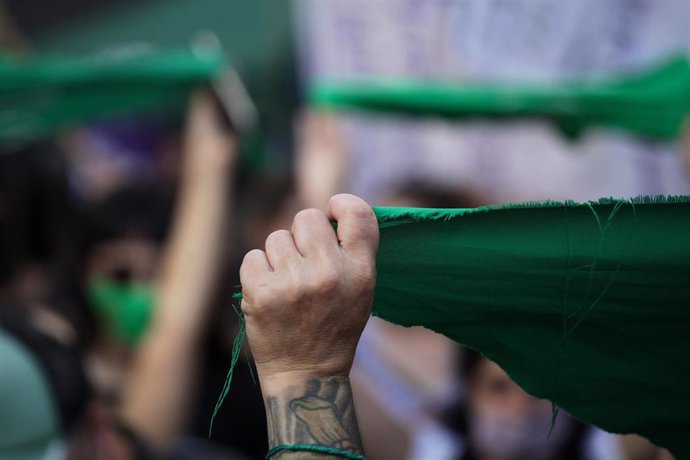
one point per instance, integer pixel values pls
(321, 158)
(160, 387)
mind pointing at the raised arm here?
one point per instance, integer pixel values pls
(158, 392)
(321, 163)
(307, 297)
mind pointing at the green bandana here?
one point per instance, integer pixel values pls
(127, 308)
(40, 95)
(652, 103)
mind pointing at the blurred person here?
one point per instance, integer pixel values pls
(159, 387)
(35, 217)
(43, 388)
(497, 420)
(154, 408)
(122, 242)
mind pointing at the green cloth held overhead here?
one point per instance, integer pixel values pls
(652, 104)
(585, 304)
(40, 95)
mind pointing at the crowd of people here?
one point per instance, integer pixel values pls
(123, 302)
(118, 266)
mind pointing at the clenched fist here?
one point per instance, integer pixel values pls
(308, 295)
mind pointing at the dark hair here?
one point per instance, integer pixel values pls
(438, 196)
(39, 226)
(469, 361)
(34, 207)
(140, 209)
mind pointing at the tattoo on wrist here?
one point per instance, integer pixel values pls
(318, 411)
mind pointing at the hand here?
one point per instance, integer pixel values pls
(321, 163)
(209, 148)
(307, 298)
(191, 265)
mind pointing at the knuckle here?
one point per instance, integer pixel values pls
(250, 261)
(328, 281)
(293, 294)
(361, 210)
(246, 307)
(252, 257)
(276, 237)
(355, 206)
(366, 277)
(256, 298)
(308, 216)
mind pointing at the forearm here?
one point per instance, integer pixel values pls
(310, 411)
(306, 300)
(161, 383)
(162, 379)
(192, 259)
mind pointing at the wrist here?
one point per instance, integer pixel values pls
(276, 382)
(303, 411)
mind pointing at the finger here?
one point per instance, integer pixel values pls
(254, 266)
(358, 230)
(314, 234)
(281, 250)
(245, 307)
(253, 272)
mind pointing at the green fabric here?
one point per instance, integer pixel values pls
(29, 420)
(653, 103)
(40, 95)
(256, 35)
(587, 305)
(126, 308)
(584, 304)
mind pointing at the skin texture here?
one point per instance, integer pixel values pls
(307, 297)
(316, 411)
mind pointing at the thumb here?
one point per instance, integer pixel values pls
(358, 229)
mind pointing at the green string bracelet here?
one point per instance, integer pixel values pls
(314, 448)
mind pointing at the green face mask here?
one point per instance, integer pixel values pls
(126, 307)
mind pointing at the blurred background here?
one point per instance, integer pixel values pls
(123, 224)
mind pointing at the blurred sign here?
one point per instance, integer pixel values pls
(497, 40)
